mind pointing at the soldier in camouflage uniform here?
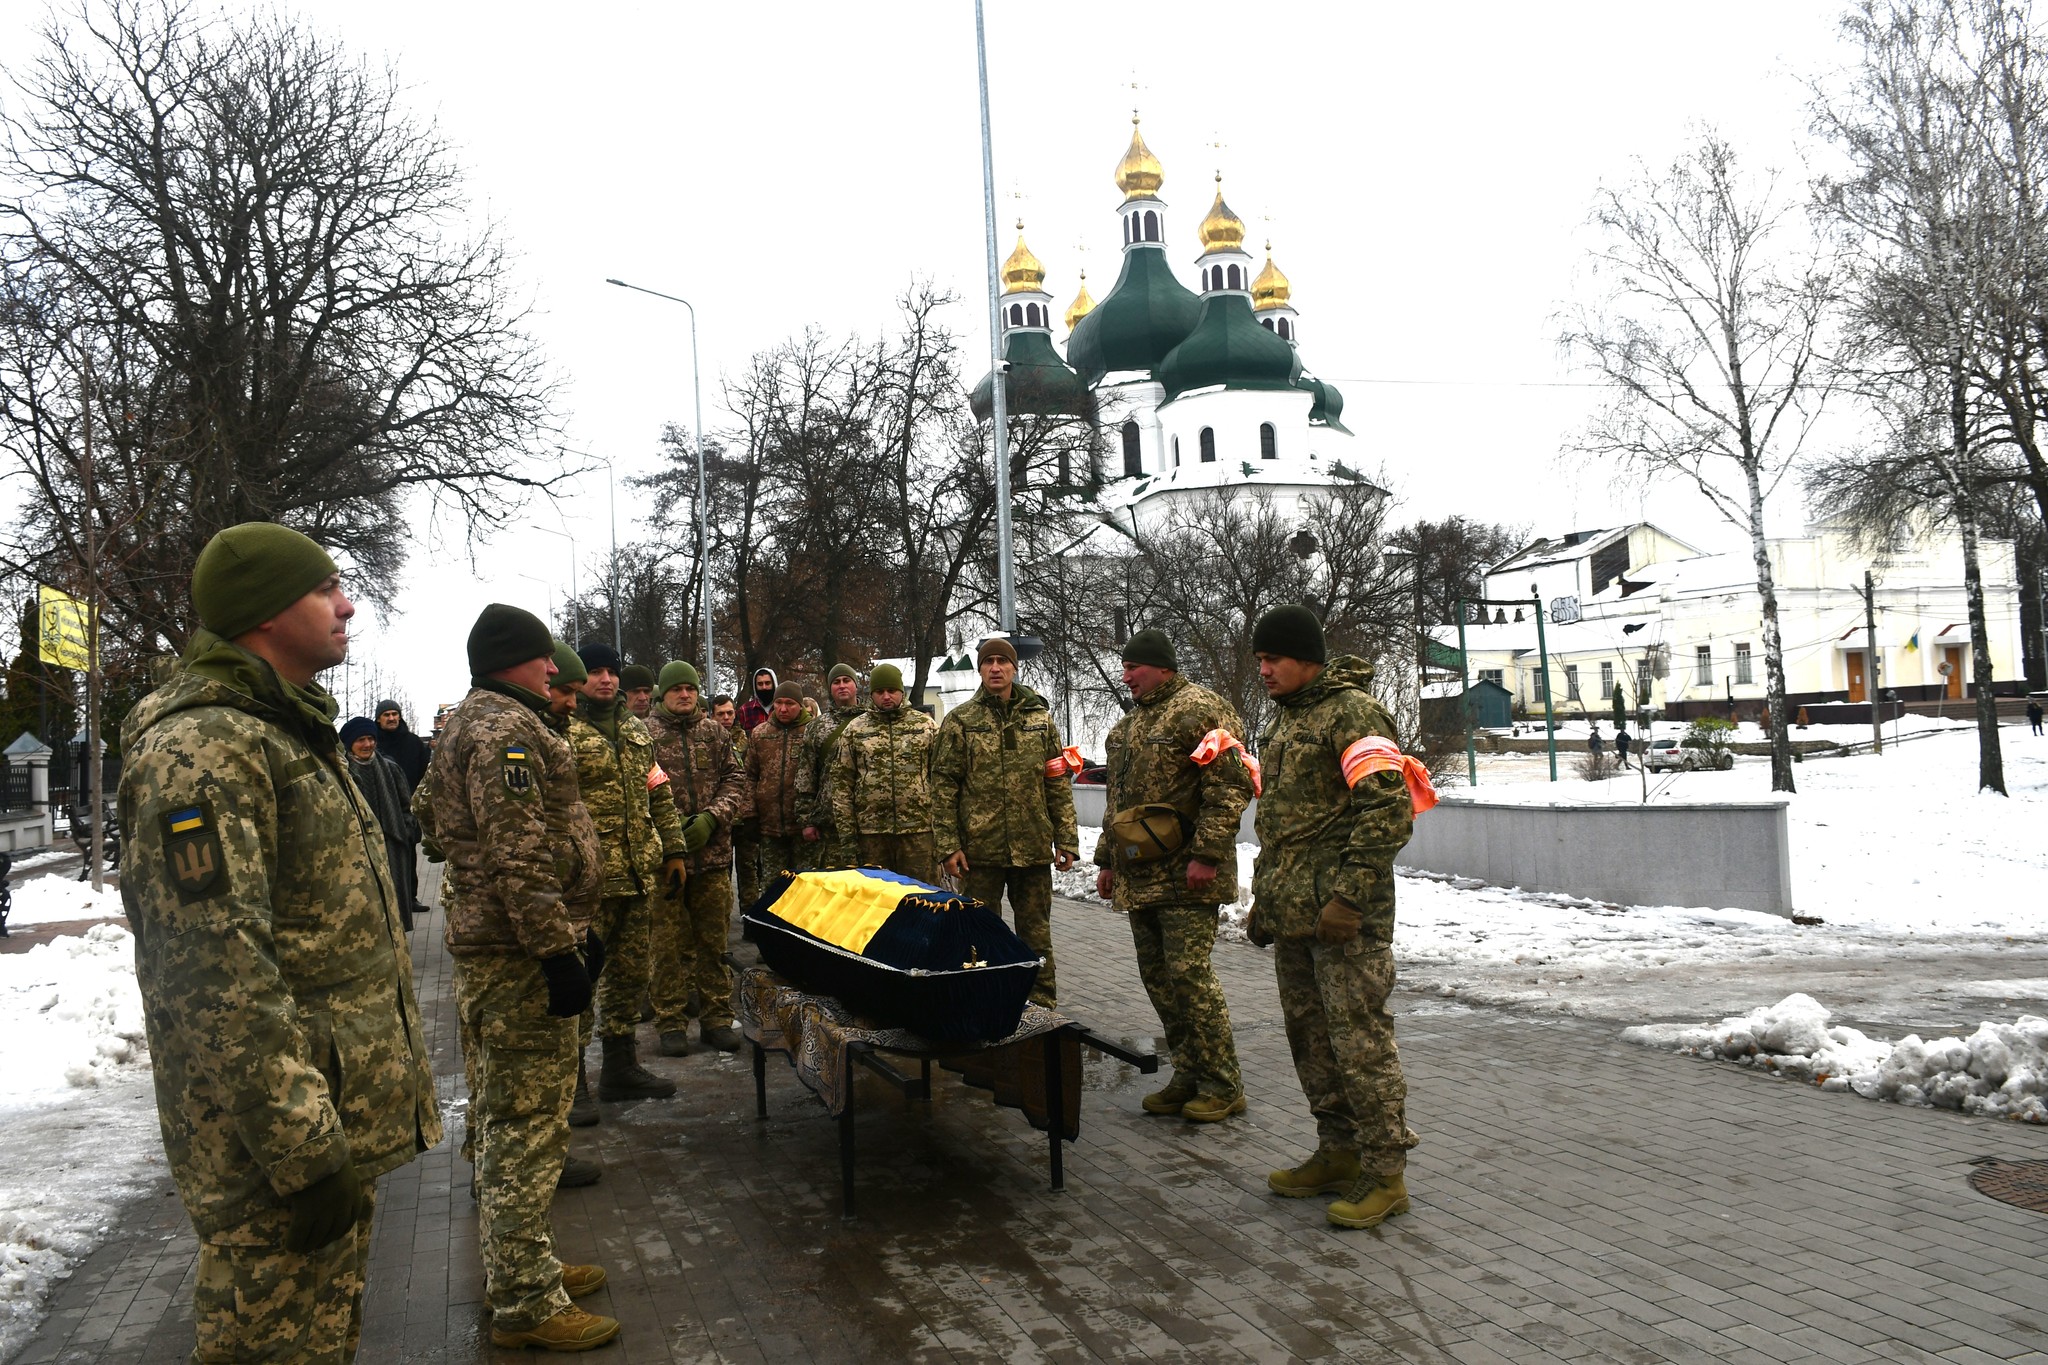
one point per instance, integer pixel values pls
(824, 844)
(880, 781)
(774, 758)
(709, 791)
(277, 993)
(1003, 802)
(1323, 894)
(746, 830)
(524, 874)
(636, 689)
(645, 853)
(1160, 752)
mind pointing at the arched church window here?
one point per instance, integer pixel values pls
(1269, 445)
(1151, 226)
(1033, 316)
(1127, 230)
(1016, 316)
(1285, 330)
(1266, 323)
(1208, 445)
(1134, 460)
(1176, 452)
(1236, 278)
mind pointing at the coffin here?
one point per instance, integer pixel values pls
(896, 950)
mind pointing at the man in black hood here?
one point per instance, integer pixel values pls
(398, 743)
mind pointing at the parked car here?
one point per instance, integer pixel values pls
(1668, 753)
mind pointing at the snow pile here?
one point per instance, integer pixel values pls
(53, 899)
(75, 1098)
(1078, 883)
(2000, 1071)
(71, 1012)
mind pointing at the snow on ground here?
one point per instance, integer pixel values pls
(2000, 1071)
(77, 1110)
(54, 900)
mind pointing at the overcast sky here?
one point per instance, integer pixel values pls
(1424, 175)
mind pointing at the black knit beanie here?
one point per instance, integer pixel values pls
(1151, 647)
(506, 637)
(1292, 632)
(597, 654)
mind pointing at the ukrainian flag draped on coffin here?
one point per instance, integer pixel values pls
(897, 950)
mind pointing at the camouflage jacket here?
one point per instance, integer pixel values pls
(704, 776)
(1148, 759)
(276, 986)
(1000, 787)
(822, 738)
(880, 782)
(625, 791)
(501, 803)
(774, 758)
(1319, 838)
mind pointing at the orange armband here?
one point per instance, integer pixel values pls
(1067, 760)
(1374, 754)
(656, 775)
(1217, 743)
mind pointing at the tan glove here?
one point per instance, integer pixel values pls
(1338, 922)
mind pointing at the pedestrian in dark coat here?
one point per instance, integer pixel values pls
(1621, 746)
(2034, 715)
(385, 786)
(397, 742)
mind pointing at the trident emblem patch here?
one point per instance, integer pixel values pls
(192, 852)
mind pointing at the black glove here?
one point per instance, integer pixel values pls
(593, 955)
(568, 984)
(675, 870)
(1255, 929)
(324, 1211)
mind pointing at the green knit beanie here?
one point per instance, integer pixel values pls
(840, 671)
(677, 674)
(1151, 647)
(249, 574)
(635, 675)
(569, 667)
(885, 678)
(506, 637)
(1293, 632)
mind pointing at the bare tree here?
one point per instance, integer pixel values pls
(262, 259)
(1709, 327)
(1943, 228)
(1450, 558)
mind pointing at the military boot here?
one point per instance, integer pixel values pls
(579, 1280)
(675, 1042)
(1169, 1101)
(572, 1329)
(1213, 1108)
(623, 1078)
(1371, 1201)
(724, 1037)
(583, 1109)
(1326, 1172)
(576, 1173)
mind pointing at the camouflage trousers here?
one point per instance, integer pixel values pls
(626, 925)
(521, 1064)
(253, 1300)
(828, 851)
(690, 937)
(746, 866)
(779, 853)
(1174, 944)
(1030, 890)
(1334, 1001)
(908, 855)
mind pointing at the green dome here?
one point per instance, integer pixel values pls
(1146, 314)
(1328, 406)
(1038, 382)
(1228, 347)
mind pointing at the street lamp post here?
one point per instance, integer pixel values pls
(999, 420)
(703, 507)
(575, 605)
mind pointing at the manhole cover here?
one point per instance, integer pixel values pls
(2023, 1184)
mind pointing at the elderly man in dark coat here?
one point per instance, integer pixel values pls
(385, 786)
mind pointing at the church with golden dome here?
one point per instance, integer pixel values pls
(1198, 391)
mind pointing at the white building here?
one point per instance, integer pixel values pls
(1687, 633)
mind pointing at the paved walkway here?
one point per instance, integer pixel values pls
(1576, 1198)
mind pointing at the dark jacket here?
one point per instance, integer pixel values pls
(407, 750)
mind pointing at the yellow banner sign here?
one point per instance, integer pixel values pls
(66, 630)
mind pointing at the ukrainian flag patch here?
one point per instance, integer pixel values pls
(186, 820)
(193, 859)
(518, 771)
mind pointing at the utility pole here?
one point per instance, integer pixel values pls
(1870, 640)
(97, 844)
(1465, 701)
(1549, 700)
